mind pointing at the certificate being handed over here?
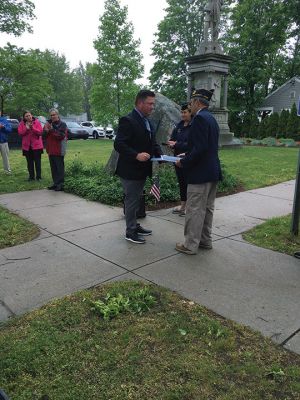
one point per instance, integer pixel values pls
(165, 158)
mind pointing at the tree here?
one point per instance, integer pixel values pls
(14, 15)
(263, 126)
(23, 80)
(178, 37)
(272, 126)
(282, 123)
(37, 81)
(293, 125)
(118, 67)
(258, 32)
(66, 92)
(253, 126)
(86, 84)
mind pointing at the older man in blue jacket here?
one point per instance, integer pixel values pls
(5, 128)
(202, 167)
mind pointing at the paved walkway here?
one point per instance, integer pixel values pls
(82, 244)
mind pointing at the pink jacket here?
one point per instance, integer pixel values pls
(31, 137)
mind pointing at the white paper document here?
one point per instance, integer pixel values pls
(166, 158)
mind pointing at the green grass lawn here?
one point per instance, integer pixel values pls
(274, 235)
(253, 166)
(90, 151)
(261, 166)
(177, 350)
(15, 230)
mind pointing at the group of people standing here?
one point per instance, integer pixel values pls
(32, 132)
(195, 139)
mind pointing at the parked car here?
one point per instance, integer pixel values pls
(109, 132)
(94, 131)
(76, 131)
(13, 138)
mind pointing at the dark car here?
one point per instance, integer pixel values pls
(75, 131)
(13, 138)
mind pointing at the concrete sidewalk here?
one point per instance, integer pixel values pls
(82, 244)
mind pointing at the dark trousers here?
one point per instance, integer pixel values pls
(182, 183)
(57, 166)
(33, 158)
(133, 191)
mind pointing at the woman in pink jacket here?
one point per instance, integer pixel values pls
(31, 131)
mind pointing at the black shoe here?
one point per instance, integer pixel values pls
(297, 254)
(142, 231)
(205, 246)
(59, 188)
(39, 178)
(30, 179)
(135, 238)
(52, 187)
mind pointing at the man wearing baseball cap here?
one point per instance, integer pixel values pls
(202, 167)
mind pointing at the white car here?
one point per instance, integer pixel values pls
(109, 132)
(94, 131)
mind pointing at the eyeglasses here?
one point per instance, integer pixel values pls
(53, 115)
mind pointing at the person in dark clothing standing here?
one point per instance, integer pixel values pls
(202, 166)
(179, 143)
(136, 144)
(56, 143)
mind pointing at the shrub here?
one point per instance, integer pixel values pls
(94, 183)
(269, 141)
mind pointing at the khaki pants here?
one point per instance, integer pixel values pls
(4, 153)
(199, 215)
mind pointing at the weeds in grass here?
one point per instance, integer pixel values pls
(137, 302)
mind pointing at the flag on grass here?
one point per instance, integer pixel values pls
(155, 188)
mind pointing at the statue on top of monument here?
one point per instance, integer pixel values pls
(212, 11)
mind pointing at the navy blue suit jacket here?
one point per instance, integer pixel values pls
(201, 163)
(133, 138)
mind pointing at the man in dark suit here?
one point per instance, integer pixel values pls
(202, 167)
(136, 144)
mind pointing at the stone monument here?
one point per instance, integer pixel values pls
(209, 69)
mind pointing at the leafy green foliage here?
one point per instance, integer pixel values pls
(293, 125)
(282, 123)
(94, 183)
(118, 67)
(86, 85)
(66, 89)
(23, 80)
(36, 81)
(258, 32)
(178, 37)
(14, 16)
(137, 302)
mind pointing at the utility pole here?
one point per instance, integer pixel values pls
(296, 204)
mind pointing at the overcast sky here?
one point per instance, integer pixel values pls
(70, 27)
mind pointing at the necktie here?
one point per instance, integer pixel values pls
(147, 123)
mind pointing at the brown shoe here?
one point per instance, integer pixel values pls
(205, 246)
(181, 247)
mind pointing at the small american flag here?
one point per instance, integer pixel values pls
(155, 188)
